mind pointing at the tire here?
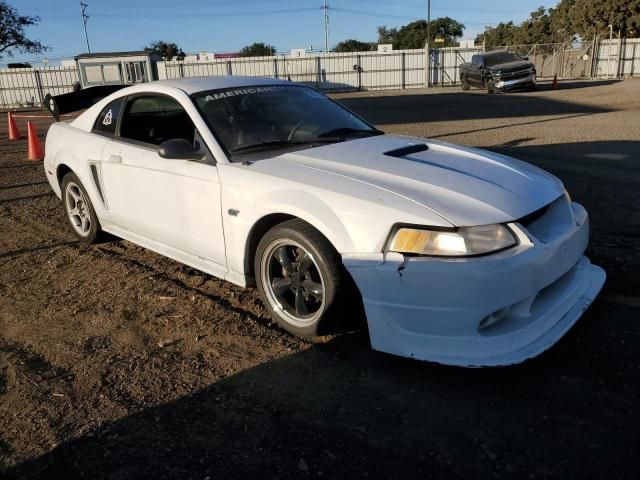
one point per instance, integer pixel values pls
(80, 212)
(490, 87)
(299, 277)
(465, 84)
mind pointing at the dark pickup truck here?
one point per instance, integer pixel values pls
(498, 71)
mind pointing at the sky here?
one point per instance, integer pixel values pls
(228, 25)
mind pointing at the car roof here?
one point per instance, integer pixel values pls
(200, 84)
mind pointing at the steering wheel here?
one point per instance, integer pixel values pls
(295, 129)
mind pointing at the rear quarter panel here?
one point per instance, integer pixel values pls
(67, 146)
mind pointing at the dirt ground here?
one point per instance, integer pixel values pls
(118, 363)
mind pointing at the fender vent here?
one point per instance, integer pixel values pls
(408, 150)
(96, 181)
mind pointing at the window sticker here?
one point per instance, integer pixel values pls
(244, 91)
(108, 118)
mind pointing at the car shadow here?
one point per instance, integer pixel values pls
(341, 410)
(458, 106)
(547, 84)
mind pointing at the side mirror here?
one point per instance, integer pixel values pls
(525, 58)
(178, 149)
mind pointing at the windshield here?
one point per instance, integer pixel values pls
(276, 116)
(500, 58)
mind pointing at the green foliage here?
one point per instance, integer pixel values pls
(414, 34)
(12, 36)
(352, 45)
(258, 50)
(386, 35)
(166, 50)
(587, 17)
(570, 18)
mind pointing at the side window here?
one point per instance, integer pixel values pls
(108, 119)
(154, 119)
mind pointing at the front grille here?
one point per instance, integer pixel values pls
(514, 75)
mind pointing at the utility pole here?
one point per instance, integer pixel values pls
(609, 50)
(85, 17)
(325, 8)
(427, 47)
(428, 20)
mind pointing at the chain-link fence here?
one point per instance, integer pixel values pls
(566, 60)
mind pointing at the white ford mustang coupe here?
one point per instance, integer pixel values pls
(460, 256)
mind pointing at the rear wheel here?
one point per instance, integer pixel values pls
(298, 275)
(80, 213)
(465, 83)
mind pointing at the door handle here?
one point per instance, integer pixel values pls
(115, 159)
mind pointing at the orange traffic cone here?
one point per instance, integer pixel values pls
(554, 84)
(35, 147)
(14, 132)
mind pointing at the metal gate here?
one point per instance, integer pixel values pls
(444, 64)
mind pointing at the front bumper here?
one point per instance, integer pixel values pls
(495, 310)
(515, 83)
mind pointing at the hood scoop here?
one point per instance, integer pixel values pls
(408, 150)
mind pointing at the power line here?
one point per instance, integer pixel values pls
(218, 14)
(389, 15)
(443, 8)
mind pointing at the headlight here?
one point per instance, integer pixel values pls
(455, 243)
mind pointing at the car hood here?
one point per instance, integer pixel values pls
(465, 186)
(511, 66)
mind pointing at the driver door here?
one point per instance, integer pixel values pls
(475, 72)
(175, 203)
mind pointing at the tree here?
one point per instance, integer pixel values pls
(414, 34)
(352, 45)
(570, 18)
(166, 50)
(588, 17)
(258, 50)
(386, 35)
(12, 36)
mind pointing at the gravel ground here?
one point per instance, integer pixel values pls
(118, 363)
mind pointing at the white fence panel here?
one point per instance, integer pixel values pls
(333, 71)
(26, 87)
(618, 58)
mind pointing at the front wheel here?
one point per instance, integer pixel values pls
(491, 87)
(298, 275)
(80, 213)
